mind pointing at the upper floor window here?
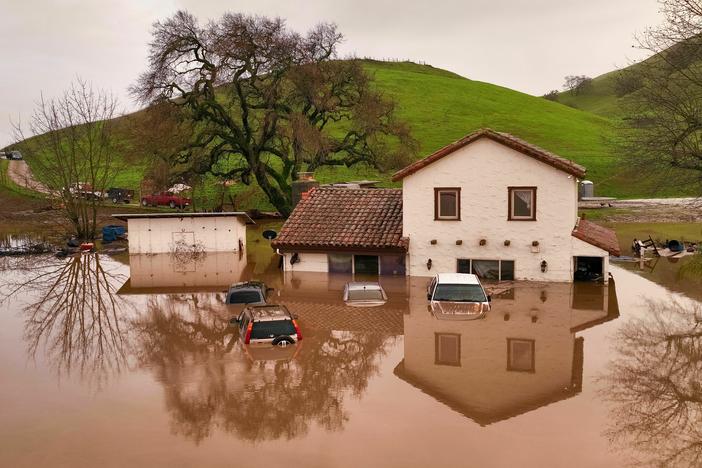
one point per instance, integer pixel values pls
(447, 203)
(522, 204)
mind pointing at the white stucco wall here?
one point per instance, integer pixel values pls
(312, 262)
(484, 170)
(159, 235)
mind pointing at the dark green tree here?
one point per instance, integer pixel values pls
(266, 102)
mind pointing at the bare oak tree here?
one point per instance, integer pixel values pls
(577, 84)
(663, 131)
(72, 150)
(267, 102)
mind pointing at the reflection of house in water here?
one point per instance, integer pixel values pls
(317, 298)
(174, 272)
(523, 355)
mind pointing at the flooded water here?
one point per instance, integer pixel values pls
(107, 364)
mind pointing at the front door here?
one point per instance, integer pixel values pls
(365, 264)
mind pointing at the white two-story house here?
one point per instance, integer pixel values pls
(489, 204)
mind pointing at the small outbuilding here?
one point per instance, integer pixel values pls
(151, 233)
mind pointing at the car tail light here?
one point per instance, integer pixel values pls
(297, 330)
(247, 337)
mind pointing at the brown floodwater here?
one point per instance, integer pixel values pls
(108, 364)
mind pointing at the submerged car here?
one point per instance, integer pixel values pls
(457, 296)
(364, 294)
(267, 324)
(247, 293)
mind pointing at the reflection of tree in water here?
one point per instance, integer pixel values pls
(655, 384)
(75, 316)
(210, 384)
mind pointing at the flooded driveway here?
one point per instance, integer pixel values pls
(104, 364)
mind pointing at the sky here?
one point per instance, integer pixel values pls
(527, 45)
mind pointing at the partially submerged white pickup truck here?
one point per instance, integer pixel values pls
(457, 296)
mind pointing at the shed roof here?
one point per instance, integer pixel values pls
(597, 235)
(345, 219)
(506, 139)
(178, 214)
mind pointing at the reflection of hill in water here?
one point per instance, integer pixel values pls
(523, 355)
(666, 271)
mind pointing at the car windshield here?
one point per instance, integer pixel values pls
(365, 294)
(459, 293)
(244, 297)
(264, 330)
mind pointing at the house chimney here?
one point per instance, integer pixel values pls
(304, 183)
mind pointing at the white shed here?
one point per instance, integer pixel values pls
(151, 233)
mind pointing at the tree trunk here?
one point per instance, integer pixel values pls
(280, 200)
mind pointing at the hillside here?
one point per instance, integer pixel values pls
(442, 107)
(600, 98)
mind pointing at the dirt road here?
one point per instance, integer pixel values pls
(20, 173)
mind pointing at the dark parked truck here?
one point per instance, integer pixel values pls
(120, 195)
(165, 199)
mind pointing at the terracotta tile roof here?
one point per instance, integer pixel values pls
(345, 219)
(597, 235)
(506, 139)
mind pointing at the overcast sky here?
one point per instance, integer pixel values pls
(527, 45)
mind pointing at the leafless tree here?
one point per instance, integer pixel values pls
(72, 149)
(626, 82)
(655, 384)
(266, 102)
(74, 316)
(663, 132)
(577, 84)
(551, 95)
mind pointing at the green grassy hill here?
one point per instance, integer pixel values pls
(442, 107)
(600, 98)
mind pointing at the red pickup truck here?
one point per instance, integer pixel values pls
(165, 198)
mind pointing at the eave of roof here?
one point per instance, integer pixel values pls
(506, 139)
(239, 214)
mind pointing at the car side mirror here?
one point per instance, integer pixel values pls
(428, 296)
(234, 321)
(270, 289)
(489, 298)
